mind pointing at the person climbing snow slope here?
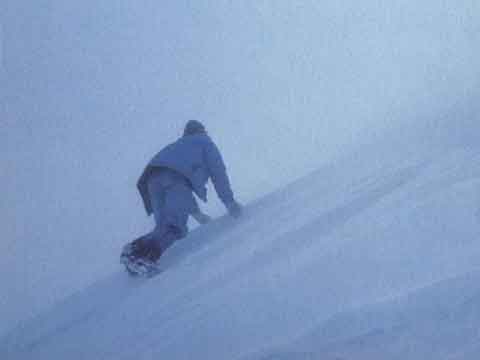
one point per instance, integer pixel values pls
(167, 187)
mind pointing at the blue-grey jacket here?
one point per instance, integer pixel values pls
(198, 159)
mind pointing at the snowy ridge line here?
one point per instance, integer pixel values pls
(322, 225)
(257, 285)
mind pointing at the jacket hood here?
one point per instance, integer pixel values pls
(194, 127)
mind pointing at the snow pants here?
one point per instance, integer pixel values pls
(172, 203)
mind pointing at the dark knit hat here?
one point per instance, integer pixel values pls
(194, 127)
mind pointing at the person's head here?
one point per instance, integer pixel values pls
(194, 127)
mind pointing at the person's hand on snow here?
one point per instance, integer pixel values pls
(234, 209)
(201, 218)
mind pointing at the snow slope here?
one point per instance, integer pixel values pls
(438, 322)
(348, 262)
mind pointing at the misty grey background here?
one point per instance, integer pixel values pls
(91, 90)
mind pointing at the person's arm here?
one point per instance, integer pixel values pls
(220, 180)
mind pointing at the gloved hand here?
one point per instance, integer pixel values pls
(201, 218)
(234, 209)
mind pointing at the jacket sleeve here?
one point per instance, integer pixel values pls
(218, 173)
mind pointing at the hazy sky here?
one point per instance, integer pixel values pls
(91, 90)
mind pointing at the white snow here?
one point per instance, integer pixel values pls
(373, 257)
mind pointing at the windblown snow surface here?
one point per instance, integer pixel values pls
(376, 256)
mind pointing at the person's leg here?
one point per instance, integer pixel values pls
(172, 201)
(171, 216)
(158, 185)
